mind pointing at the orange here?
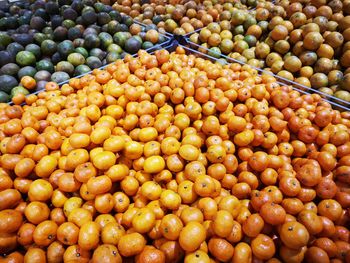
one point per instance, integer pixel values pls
(189, 152)
(131, 244)
(104, 160)
(191, 236)
(144, 220)
(154, 164)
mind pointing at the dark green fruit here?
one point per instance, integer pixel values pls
(37, 23)
(77, 5)
(147, 45)
(90, 31)
(162, 39)
(45, 64)
(48, 31)
(42, 75)
(103, 18)
(139, 38)
(65, 48)
(99, 53)
(23, 39)
(25, 58)
(60, 33)
(4, 97)
(76, 59)
(82, 51)
(115, 15)
(6, 57)
(112, 27)
(70, 13)
(5, 39)
(10, 69)
(48, 47)
(14, 48)
(34, 49)
(120, 38)
(99, 7)
(114, 48)
(68, 23)
(39, 38)
(251, 40)
(52, 8)
(74, 32)
(132, 45)
(156, 19)
(106, 39)
(87, 8)
(252, 3)
(81, 69)
(64, 2)
(60, 77)
(91, 41)
(7, 23)
(122, 28)
(104, 28)
(89, 17)
(149, 27)
(127, 20)
(26, 71)
(24, 20)
(41, 13)
(112, 57)
(79, 20)
(65, 66)
(56, 21)
(55, 58)
(7, 83)
(93, 62)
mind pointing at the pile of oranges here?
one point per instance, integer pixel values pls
(173, 158)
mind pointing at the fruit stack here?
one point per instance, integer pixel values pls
(173, 158)
(181, 17)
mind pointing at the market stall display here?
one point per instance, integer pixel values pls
(210, 146)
